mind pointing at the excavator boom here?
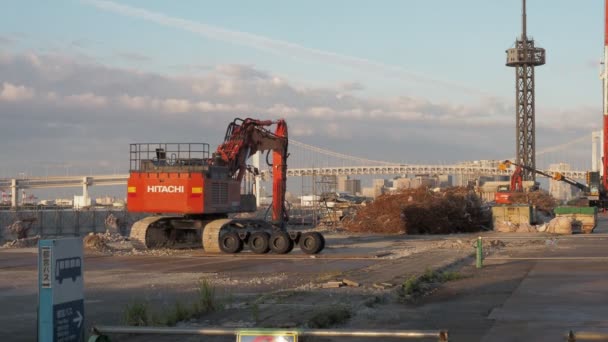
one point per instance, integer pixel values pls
(245, 138)
(517, 184)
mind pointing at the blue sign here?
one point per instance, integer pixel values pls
(68, 321)
(60, 289)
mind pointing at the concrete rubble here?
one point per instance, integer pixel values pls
(22, 243)
(558, 225)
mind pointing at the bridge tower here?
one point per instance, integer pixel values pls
(524, 57)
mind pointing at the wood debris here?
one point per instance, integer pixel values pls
(422, 211)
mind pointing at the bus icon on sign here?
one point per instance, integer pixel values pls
(68, 268)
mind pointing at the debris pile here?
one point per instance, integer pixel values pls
(115, 224)
(421, 211)
(510, 227)
(543, 200)
(94, 242)
(100, 241)
(22, 243)
(17, 233)
(558, 225)
(21, 228)
(340, 283)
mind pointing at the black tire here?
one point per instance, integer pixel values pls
(311, 243)
(281, 243)
(323, 242)
(259, 242)
(231, 243)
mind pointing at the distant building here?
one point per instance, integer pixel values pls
(444, 181)
(353, 186)
(370, 192)
(561, 190)
(309, 200)
(402, 183)
(64, 202)
(341, 183)
(472, 179)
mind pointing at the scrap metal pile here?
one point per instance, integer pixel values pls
(422, 211)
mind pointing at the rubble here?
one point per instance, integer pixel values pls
(20, 228)
(526, 228)
(332, 284)
(505, 227)
(421, 211)
(544, 202)
(22, 243)
(349, 282)
(100, 241)
(560, 225)
(383, 286)
(94, 242)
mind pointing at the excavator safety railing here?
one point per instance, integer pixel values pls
(99, 333)
(170, 157)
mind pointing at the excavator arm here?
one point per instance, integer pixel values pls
(246, 137)
(556, 175)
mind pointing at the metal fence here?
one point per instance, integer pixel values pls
(67, 222)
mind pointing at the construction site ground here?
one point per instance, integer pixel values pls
(533, 287)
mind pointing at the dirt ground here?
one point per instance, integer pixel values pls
(289, 291)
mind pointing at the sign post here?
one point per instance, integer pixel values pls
(60, 290)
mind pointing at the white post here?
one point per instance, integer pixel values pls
(595, 135)
(14, 194)
(85, 191)
(258, 179)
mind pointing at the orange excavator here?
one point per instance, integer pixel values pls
(504, 192)
(192, 194)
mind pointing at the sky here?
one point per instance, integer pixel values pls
(403, 80)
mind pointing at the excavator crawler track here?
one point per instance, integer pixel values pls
(161, 231)
(211, 235)
(146, 233)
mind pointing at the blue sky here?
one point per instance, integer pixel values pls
(462, 42)
(417, 80)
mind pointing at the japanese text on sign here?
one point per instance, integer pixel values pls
(45, 278)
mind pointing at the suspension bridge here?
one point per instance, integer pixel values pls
(573, 159)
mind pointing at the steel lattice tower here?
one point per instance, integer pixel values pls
(524, 57)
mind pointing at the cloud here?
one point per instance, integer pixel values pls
(242, 72)
(279, 46)
(352, 86)
(176, 105)
(49, 101)
(86, 100)
(134, 56)
(6, 40)
(14, 93)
